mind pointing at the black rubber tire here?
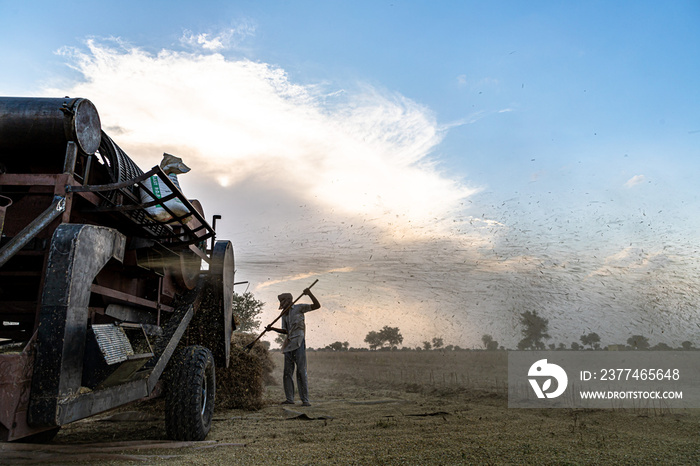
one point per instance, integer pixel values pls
(190, 394)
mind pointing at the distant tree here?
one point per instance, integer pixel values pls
(449, 348)
(458, 348)
(575, 346)
(346, 345)
(584, 340)
(279, 339)
(661, 346)
(437, 343)
(552, 346)
(266, 344)
(489, 343)
(534, 331)
(687, 345)
(638, 342)
(391, 335)
(590, 340)
(337, 346)
(374, 340)
(561, 346)
(427, 346)
(246, 309)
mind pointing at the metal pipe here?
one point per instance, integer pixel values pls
(213, 227)
(33, 229)
(5, 202)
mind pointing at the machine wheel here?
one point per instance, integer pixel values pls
(190, 395)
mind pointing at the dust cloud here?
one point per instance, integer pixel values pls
(346, 185)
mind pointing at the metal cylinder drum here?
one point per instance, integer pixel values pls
(28, 124)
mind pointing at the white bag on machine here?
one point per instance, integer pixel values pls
(171, 166)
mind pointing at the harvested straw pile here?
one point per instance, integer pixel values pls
(242, 384)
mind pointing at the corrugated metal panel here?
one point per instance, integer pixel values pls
(113, 343)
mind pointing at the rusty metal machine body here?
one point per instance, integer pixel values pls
(96, 297)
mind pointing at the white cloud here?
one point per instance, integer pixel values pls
(218, 41)
(203, 40)
(366, 154)
(337, 185)
(635, 180)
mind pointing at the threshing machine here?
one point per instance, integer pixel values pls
(101, 304)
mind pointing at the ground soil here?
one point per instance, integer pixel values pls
(396, 407)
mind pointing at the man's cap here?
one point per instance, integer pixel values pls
(284, 297)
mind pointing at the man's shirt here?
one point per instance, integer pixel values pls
(293, 323)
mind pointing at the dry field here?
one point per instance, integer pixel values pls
(388, 408)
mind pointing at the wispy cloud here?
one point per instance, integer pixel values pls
(632, 259)
(218, 41)
(635, 180)
(464, 80)
(303, 276)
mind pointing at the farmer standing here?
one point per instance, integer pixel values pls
(294, 346)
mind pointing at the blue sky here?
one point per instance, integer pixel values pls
(439, 166)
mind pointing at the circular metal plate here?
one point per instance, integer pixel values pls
(86, 126)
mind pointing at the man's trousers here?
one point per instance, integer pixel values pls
(291, 358)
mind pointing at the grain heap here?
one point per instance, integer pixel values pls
(242, 384)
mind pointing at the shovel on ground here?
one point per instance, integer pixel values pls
(284, 311)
